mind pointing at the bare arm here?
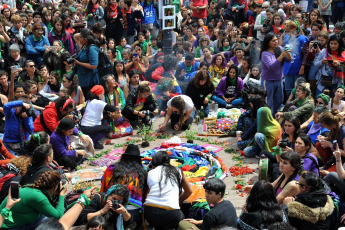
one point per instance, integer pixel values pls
(305, 124)
(187, 189)
(290, 190)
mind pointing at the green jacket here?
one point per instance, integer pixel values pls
(32, 206)
(304, 112)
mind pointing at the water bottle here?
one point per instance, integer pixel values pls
(202, 113)
(197, 117)
(215, 107)
(199, 128)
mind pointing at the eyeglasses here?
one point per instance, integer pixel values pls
(229, 24)
(32, 66)
(39, 31)
(64, 81)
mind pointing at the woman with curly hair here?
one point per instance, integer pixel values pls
(261, 208)
(130, 172)
(217, 69)
(36, 202)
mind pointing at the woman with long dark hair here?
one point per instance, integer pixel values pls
(121, 76)
(94, 13)
(261, 208)
(91, 124)
(112, 16)
(285, 185)
(165, 183)
(179, 111)
(130, 172)
(52, 88)
(228, 91)
(272, 58)
(337, 101)
(74, 90)
(59, 33)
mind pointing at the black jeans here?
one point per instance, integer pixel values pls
(162, 218)
(69, 162)
(175, 118)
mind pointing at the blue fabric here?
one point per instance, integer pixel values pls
(312, 72)
(259, 145)
(149, 14)
(132, 22)
(292, 68)
(13, 133)
(88, 77)
(219, 100)
(36, 49)
(206, 111)
(313, 136)
(275, 94)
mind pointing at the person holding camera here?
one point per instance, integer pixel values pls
(140, 104)
(111, 205)
(60, 141)
(91, 123)
(18, 125)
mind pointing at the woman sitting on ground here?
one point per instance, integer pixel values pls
(315, 128)
(36, 139)
(74, 90)
(166, 89)
(91, 123)
(52, 88)
(261, 208)
(229, 89)
(103, 204)
(313, 208)
(128, 171)
(179, 111)
(285, 185)
(247, 124)
(337, 101)
(168, 187)
(40, 194)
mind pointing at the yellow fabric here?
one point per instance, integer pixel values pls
(202, 171)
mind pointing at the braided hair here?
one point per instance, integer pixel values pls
(48, 180)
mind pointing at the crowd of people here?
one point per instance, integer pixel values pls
(78, 72)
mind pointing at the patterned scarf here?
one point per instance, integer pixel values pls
(334, 55)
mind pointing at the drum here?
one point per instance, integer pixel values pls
(263, 169)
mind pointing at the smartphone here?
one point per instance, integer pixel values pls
(14, 68)
(135, 54)
(334, 145)
(15, 190)
(330, 61)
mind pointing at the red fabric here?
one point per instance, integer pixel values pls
(202, 13)
(173, 95)
(50, 117)
(97, 90)
(188, 167)
(325, 154)
(113, 11)
(167, 145)
(275, 29)
(5, 153)
(158, 73)
(95, 7)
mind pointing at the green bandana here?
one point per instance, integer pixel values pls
(36, 39)
(300, 102)
(226, 49)
(232, 81)
(7, 214)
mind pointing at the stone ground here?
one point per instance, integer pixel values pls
(232, 195)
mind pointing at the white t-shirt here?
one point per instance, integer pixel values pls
(168, 196)
(187, 100)
(93, 113)
(339, 107)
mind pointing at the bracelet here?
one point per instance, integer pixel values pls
(209, 97)
(80, 133)
(81, 204)
(7, 214)
(83, 199)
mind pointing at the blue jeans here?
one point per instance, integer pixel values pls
(220, 101)
(257, 147)
(290, 83)
(312, 72)
(206, 111)
(162, 104)
(275, 94)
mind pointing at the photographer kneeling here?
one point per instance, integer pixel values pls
(91, 123)
(140, 104)
(111, 205)
(18, 125)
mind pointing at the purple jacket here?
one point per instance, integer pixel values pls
(66, 41)
(60, 146)
(309, 164)
(221, 88)
(272, 69)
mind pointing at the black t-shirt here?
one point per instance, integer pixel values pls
(223, 214)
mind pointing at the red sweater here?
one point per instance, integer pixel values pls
(5, 153)
(51, 119)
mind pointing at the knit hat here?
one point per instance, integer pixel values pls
(66, 124)
(15, 47)
(324, 97)
(97, 90)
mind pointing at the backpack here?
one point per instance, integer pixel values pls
(7, 174)
(104, 64)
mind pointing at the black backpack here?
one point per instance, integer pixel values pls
(104, 64)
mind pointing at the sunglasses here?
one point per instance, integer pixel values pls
(32, 66)
(319, 103)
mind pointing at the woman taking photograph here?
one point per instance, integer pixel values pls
(87, 60)
(130, 172)
(121, 77)
(91, 123)
(61, 140)
(59, 33)
(272, 58)
(200, 90)
(285, 185)
(168, 187)
(228, 91)
(138, 101)
(179, 111)
(261, 208)
(29, 216)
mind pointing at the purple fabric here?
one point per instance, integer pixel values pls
(272, 69)
(296, 178)
(234, 59)
(67, 41)
(221, 88)
(60, 146)
(309, 164)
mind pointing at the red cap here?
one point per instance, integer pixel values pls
(97, 90)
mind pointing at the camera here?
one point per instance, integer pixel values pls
(316, 44)
(75, 115)
(30, 112)
(116, 204)
(71, 59)
(147, 119)
(284, 143)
